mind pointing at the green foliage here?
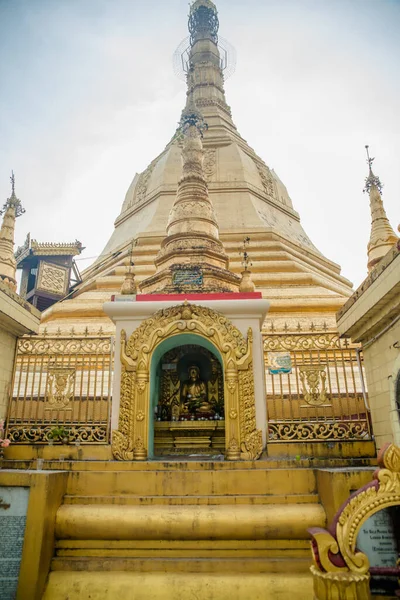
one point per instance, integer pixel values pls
(58, 433)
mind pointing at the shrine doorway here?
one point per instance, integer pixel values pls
(187, 412)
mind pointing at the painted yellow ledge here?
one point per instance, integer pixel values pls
(160, 586)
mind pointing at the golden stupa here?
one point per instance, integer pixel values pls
(249, 200)
(187, 418)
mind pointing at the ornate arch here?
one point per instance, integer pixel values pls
(338, 563)
(243, 440)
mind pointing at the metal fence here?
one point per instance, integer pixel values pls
(315, 388)
(61, 382)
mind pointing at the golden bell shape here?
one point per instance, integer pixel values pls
(246, 284)
(129, 287)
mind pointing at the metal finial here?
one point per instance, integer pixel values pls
(371, 180)
(369, 159)
(13, 201)
(12, 179)
(246, 262)
(203, 21)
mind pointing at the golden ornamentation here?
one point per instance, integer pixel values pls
(266, 178)
(141, 386)
(46, 345)
(336, 556)
(139, 450)
(122, 447)
(322, 371)
(346, 585)
(52, 278)
(327, 546)
(129, 287)
(140, 416)
(381, 494)
(233, 452)
(313, 379)
(38, 433)
(186, 312)
(291, 431)
(73, 375)
(231, 385)
(47, 249)
(391, 459)
(136, 354)
(301, 341)
(60, 387)
(142, 184)
(233, 414)
(210, 159)
(251, 445)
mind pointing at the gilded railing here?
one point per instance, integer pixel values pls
(61, 382)
(315, 388)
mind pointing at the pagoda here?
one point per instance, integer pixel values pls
(248, 200)
(189, 409)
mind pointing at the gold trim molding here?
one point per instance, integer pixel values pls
(243, 440)
(336, 557)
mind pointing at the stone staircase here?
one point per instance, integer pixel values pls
(202, 530)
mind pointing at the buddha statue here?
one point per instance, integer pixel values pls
(194, 394)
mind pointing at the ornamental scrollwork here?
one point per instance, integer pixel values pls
(39, 433)
(313, 379)
(213, 324)
(299, 341)
(60, 387)
(292, 431)
(40, 345)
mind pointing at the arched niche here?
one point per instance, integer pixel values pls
(212, 330)
(165, 346)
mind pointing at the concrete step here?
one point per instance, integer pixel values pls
(138, 499)
(186, 564)
(108, 585)
(189, 482)
(163, 522)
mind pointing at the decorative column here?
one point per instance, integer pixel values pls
(382, 238)
(11, 210)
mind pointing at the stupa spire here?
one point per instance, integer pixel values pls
(203, 64)
(382, 237)
(192, 242)
(11, 210)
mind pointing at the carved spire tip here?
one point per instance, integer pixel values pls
(12, 179)
(12, 201)
(372, 180)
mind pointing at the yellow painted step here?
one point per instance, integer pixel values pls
(175, 586)
(193, 482)
(114, 522)
(185, 564)
(138, 499)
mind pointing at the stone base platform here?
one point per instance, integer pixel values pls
(202, 529)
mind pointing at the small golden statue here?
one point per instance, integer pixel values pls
(194, 394)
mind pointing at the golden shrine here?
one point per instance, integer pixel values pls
(189, 410)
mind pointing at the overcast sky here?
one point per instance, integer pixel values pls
(88, 97)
